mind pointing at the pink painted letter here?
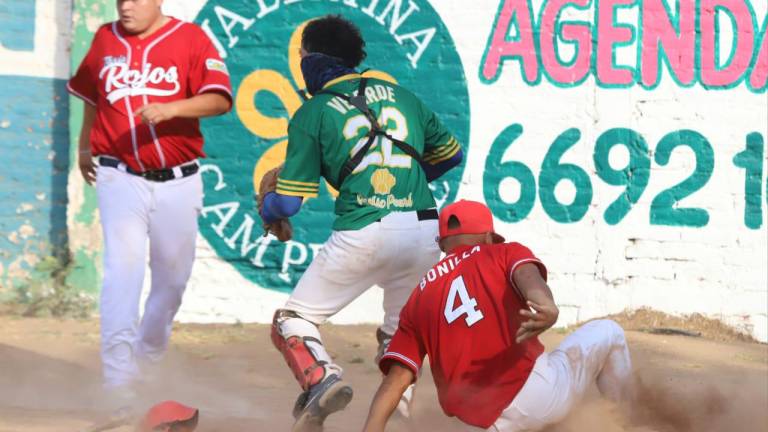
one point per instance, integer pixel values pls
(678, 45)
(713, 75)
(512, 13)
(608, 36)
(759, 78)
(578, 33)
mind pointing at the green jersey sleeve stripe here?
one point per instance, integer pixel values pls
(297, 183)
(447, 147)
(436, 161)
(298, 194)
(446, 150)
(297, 188)
(451, 142)
(294, 187)
(438, 147)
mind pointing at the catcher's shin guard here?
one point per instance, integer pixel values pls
(299, 342)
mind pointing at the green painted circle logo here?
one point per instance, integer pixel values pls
(259, 40)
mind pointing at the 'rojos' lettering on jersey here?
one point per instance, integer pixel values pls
(121, 81)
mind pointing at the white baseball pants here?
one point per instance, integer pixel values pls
(394, 254)
(595, 353)
(133, 211)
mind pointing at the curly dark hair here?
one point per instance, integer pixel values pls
(335, 36)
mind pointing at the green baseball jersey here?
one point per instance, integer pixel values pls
(326, 131)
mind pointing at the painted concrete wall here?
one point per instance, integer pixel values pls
(34, 61)
(82, 218)
(624, 141)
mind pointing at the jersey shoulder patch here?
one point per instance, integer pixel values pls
(216, 65)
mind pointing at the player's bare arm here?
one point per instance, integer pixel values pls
(387, 397)
(203, 105)
(539, 297)
(84, 159)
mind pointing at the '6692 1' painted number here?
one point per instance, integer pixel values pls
(634, 176)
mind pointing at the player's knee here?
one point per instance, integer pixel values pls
(278, 333)
(612, 331)
(123, 267)
(290, 323)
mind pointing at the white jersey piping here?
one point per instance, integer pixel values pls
(146, 101)
(402, 358)
(216, 87)
(128, 98)
(80, 95)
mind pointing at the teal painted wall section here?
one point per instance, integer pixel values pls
(83, 225)
(17, 31)
(34, 133)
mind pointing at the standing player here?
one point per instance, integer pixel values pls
(471, 316)
(145, 81)
(379, 151)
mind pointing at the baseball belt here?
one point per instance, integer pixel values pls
(422, 215)
(159, 175)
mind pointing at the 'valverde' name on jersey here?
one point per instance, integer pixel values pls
(326, 131)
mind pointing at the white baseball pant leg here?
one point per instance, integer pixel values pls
(393, 253)
(172, 235)
(123, 201)
(595, 353)
(134, 210)
(399, 286)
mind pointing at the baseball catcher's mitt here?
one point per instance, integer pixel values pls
(281, 228)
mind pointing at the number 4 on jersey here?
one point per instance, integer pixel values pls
(467, 305)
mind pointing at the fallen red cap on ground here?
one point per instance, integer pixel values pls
(167, 412)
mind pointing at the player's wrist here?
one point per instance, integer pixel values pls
(174, 109)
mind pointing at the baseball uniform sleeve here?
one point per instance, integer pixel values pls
(406, 347)
(439, 144)
(208, 72)
(301, 173)
(517, 255)
(84, 84)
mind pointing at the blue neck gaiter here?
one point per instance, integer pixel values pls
(319, 68)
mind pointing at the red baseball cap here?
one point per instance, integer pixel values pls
(474, 218)
(165, 413)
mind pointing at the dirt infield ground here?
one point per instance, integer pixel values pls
(49, 381)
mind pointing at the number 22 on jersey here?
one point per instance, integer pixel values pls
(466, 306)
(394, 123)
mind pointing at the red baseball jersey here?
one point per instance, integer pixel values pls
(123, 72)
(464, 315)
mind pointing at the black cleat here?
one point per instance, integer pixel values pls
(320, 401)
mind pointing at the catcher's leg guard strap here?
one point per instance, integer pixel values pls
(299, 342)
(383, 339)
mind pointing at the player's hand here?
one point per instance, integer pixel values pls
(87, 167)
(544, 317)
(155, 113)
